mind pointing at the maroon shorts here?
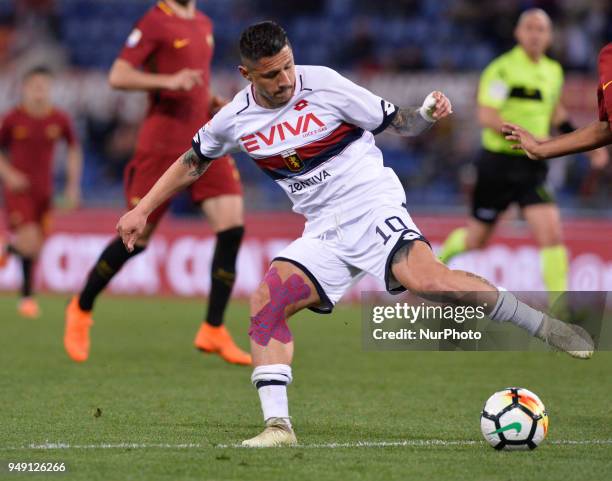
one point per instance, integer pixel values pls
(141, 173)
(27, 208)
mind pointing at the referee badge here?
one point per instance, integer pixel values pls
(292, 160)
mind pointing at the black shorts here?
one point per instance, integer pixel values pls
(503, 179)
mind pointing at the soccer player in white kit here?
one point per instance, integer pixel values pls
(312, 131)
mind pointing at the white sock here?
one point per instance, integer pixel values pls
(271, 382)
(509, 308)
(274, 402)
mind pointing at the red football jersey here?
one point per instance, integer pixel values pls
(30, 143)
(604, 91)
(165, 43)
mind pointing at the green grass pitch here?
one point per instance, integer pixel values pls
(147, 406)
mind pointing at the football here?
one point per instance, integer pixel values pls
(514, 418)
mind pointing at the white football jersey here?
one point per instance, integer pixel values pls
(319, 147)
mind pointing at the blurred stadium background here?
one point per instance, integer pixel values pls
(400, 49)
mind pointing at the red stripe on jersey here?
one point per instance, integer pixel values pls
(310, 150)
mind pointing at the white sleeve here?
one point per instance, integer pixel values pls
(215, 138)
(359, 106)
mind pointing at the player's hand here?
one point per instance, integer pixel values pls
(443, 107)
(436, 106)
(599, 158)
(523, 140)
(16, 181)
(217, 103)
(72, 196)
(130, 227)
(185, 79)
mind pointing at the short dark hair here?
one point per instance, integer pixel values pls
(263, 39)
(38, 70)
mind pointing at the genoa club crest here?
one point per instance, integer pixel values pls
(292, 160)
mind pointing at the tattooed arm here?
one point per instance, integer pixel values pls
(183, 172)
(197, 164)
(411, 121)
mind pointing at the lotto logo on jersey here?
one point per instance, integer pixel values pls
(388, 108)
(302, 104)
(280, 132)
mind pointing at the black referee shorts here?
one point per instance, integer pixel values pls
(503, 179)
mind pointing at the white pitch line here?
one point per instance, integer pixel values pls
(50, 446)
(581, 441)
(356, 444)
(374, 444)
(423, 443)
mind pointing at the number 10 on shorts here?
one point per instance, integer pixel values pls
(395, 224)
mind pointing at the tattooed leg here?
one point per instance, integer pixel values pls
(417, 269)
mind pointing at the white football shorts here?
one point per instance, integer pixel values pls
(342, 255)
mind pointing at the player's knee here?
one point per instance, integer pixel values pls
(268, 316)
(476, 242)
(259, 298)
(28, 249)
(550, 238)
(477, 239)
(272, 303)
(224, 212)
(233, 220)
(29, 242)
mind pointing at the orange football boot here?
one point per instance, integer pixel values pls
(218, 340)
(76, 333)
(28, 307)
